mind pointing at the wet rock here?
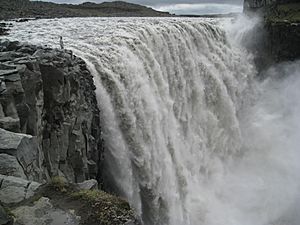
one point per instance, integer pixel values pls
(22, 20)
(283, 41)
(3, 29)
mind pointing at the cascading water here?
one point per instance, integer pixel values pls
(183, 143)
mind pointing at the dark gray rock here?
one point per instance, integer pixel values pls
(25, 149)
(10, 124)
(49, 94)
(14, 190)
(10, 166)
(5, 219)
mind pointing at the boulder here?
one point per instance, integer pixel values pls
(88, 185)
(24, 148)
(10, 124)
(10, 166)
(14, 190)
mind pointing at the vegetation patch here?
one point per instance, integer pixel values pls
(59, 184)
(103, 208)
(95, 207)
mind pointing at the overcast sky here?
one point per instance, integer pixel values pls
(180, 6)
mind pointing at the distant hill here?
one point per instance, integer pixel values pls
(227, 15)
(12, 9)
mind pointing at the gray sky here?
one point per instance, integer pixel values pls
(180, 6)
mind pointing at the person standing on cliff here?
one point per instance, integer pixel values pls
(61, 42)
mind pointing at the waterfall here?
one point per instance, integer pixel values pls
(178, 119)
(172, 92)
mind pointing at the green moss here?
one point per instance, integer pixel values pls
(95, 207)
(104, 208)
(59, 184)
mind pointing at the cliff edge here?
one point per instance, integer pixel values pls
(281, 18)
(47, 97)
(50, 142)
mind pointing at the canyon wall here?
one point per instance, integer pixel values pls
(49, 96)
(281, 28)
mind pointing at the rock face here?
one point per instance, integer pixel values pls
(284, 40)
(10, 166)
(277, 39)
(49, 96)
(50, 133)
(3, 29)
(256, 4)
(25, 155)
(14, 190)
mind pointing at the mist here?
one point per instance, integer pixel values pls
(262, 187)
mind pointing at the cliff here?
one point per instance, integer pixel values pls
(49, 96)
(50, 141)
(254, 5)
(11, 9)
(281, 28)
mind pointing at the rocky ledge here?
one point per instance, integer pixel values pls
(48, 96)
(50, 141)
(283, 26)
(59, 202)
(277, 39)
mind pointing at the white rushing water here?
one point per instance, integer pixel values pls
(186, 143)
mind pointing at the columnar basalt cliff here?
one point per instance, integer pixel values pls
(49, 96)
(50, 142)
(281, 41)
(252, 5)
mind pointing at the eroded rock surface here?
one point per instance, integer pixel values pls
(49, 96)
(14, 190)
(50, 133)
(24, 148)
(10, 166)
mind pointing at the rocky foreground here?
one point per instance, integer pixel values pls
(50, 141)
